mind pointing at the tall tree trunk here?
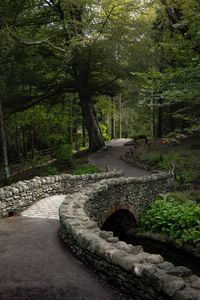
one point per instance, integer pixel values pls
(96, 141)
(4, 146)
(83, 134)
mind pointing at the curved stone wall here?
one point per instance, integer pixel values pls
(20, 195)
(146, 276)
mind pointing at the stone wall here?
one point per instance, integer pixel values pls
(146, 276)
(20, 195)
(133, 194)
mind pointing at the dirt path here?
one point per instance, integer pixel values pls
(112, 158)
(35, 265)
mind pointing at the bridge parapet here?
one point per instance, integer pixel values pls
(133, 194)
(18, 196)
(146, 275)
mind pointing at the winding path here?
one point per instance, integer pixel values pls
(35, 264)
(111, 158)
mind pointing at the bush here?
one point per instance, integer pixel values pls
(56, 140)
(174, 215)
(64, 154)
(52, 171)
(89, 169)
(104, 130)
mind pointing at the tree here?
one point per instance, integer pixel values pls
(88, 38)
(172, 86)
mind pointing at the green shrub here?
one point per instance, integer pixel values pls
(52, 171)
(56, 140)
(175, 216)
(88, 169)
(64, 154)
(104, 130)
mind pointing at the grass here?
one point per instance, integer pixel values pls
(86, 169)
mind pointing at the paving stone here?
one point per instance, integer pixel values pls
(45, 208)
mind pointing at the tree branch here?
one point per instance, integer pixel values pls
(32, 43)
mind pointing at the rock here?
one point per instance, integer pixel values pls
(166, 265)
(180, 271)
(115, 256)
(155, 259)
(136, 249)
(112, 239)
(129, 261)
(171, 287)
(140, 269)
(2, 205)
(91, 225)
(126, 247)
(106, 234)
(196, 284)
(187, 294)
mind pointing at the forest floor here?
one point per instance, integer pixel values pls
(164, 154)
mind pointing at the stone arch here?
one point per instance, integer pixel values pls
(120, 222)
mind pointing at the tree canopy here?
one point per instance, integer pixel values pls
(112, 67)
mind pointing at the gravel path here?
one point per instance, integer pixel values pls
(111, 158)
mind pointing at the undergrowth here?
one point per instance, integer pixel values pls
(175, 215)
(86, 169)
(187, 162)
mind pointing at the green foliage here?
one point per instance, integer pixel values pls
(87, 169)
(173, 215)
(56, 140)
(64, 154)
(52, 171)
(104, 130)
(186, 161)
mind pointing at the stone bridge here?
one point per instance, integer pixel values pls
(98, 209)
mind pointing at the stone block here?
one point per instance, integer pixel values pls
(112, 239)
(171, 287)
(187, 293)
(106, 234)
(129, 261)
(180, 271)
(166, 265)
(196, 284)
(155, 259)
